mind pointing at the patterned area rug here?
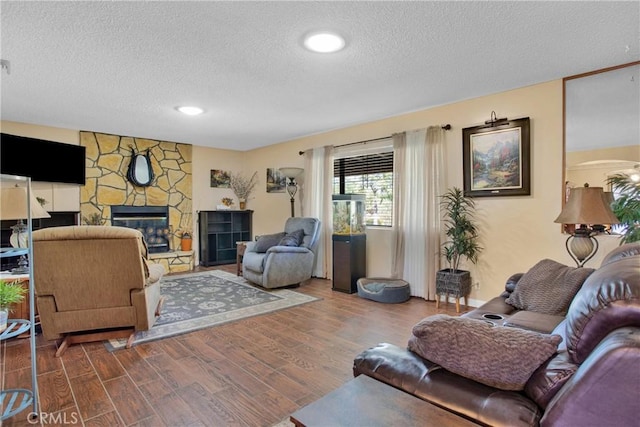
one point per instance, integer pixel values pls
(201, 300)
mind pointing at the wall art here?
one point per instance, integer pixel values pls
(496, 159)
(220, 179)
(276, 181)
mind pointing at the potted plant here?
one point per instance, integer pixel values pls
(462, 242)
(243, 186)
(627, 205)
(10, 293)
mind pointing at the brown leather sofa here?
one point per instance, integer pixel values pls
(94, 283)
(592, 380)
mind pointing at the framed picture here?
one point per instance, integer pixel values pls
(276, 182)
(496, 159)
(220, 179)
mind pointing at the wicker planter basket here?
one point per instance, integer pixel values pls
(456, 284)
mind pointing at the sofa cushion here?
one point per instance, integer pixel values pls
(499, 357)
(266, 241)
(548, 287)
(539, 322)
(608, 300)
(310, 227)
(292, 239)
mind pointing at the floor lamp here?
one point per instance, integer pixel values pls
(586, 206)
(292, 185)
(14, 204)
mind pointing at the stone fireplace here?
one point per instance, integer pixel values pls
(106, 187)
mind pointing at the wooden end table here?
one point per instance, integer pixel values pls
(364, 401)
(240, 248)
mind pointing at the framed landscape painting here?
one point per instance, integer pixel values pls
(220, 179)
(496, 159)
(276, 181)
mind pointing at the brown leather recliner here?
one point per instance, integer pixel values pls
(94, 283)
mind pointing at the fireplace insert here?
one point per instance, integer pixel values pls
(151, 221)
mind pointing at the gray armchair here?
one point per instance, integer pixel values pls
(280, 265)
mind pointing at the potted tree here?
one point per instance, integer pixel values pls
(10, 293)
(462, 242)
(627, 206)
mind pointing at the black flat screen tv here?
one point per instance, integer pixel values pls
(42, 160)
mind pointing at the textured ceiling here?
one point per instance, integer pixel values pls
(122, 67)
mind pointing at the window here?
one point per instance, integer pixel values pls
(371, 175)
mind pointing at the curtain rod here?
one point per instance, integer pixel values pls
(445, 127)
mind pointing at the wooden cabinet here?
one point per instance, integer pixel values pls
(219, 231)
(349, 261)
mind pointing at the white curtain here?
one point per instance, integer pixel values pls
(318, 178)
(418, 184)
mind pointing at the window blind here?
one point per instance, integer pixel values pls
(363, 165)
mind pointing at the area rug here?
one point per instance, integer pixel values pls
(200, 300)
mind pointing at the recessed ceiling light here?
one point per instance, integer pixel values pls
(190, 111)
(324, 42)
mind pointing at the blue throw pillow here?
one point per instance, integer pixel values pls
(266, 241)
(292, 239)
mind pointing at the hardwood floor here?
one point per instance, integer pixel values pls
(252, 372)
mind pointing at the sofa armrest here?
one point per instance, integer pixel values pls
(156, 271)
(512, 282)
(287, 249)
(408, 372)
(251, 247)
(604, 389)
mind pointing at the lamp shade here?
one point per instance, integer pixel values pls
(586, 205)
(13, 204)
(291, 173)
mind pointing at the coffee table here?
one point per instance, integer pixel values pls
(364, 401)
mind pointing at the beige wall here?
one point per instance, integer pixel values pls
(516, 232)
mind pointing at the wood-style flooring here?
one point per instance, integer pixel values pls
(252, 372)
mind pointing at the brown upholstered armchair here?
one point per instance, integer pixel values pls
(94, 283)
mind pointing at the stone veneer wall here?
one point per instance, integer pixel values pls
(108, 158)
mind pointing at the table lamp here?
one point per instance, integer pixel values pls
(292, 185)
(586, 206)
(13, 205)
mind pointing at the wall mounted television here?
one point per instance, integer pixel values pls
(45, 161)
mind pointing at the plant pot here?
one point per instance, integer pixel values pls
(243, 204)
(185, 244)
(4, 316)
(455, 283)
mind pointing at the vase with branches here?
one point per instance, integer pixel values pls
(626, 206)
(243, 186)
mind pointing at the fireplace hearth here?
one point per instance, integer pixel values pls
(151, 221)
